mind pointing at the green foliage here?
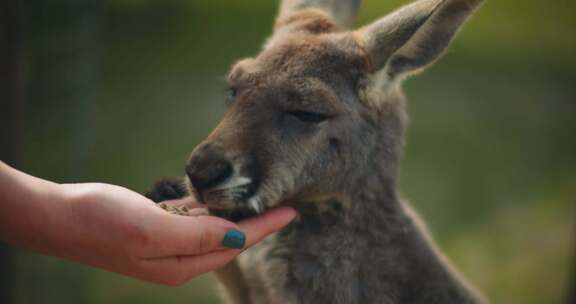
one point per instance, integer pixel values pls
(122, 92)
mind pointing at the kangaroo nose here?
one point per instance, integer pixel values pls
(208, 168)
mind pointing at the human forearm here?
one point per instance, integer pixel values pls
(116, 229)
(28, 208)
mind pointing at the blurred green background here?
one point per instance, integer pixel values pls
(121, 91)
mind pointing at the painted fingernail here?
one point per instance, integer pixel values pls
(234, 239)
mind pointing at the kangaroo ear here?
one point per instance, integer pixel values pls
(343, 12)
(414, 36)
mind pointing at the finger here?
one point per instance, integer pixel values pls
(181, 235)
(170, 235)
(257, 228)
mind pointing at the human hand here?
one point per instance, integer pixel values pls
(116, 229)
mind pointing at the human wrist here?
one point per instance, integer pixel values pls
(29, 208)
(68, 219)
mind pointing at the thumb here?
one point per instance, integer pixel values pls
(216, 233)
(190, 235)
(257, 228)
(247, 233)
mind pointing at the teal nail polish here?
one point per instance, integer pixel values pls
(234, 239)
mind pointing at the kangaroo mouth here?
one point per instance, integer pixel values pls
(235, 210)
(236, 199)
(234, 215)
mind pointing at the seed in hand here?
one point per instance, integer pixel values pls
(179, 210)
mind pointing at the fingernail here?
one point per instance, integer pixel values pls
(234, 239)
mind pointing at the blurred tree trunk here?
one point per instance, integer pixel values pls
(11, 82)
(571, 294)
(64, 54)
(47, 88)
(63, 82)
(11, 114)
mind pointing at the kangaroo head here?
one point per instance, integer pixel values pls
(320, 105)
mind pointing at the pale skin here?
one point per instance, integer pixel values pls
(115, 229)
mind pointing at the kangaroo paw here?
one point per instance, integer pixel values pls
(167, 189)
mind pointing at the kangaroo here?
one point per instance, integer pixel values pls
(316, 121)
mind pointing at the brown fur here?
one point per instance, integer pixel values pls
(317, 122)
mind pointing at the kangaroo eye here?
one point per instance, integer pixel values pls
(309, 117)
